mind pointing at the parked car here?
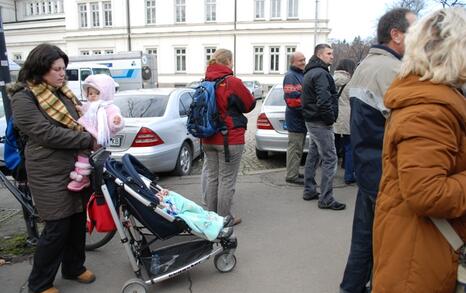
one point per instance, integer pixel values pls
(155, 129)
(193, 84)
(271, 133)
(254, 87)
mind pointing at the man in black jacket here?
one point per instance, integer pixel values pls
(320, 111)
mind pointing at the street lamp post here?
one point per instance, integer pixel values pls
(5, 77)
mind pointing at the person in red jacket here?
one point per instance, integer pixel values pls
(233, 99)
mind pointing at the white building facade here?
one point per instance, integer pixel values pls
(182, 33)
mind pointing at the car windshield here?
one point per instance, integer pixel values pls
(101, 71)
(275, 98)
(133, 106)
(248, 83)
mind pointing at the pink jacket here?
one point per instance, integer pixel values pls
(98, 118)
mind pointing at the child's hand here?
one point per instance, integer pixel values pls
(117, 120)
(79, 108)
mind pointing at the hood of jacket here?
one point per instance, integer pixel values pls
(341, 77)
(103, 83)
(411, 91)
(315, 62)
(216, 71)
(14, 87)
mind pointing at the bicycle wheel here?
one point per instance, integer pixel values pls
(98, 239)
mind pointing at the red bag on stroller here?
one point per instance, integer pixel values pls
(98, 215)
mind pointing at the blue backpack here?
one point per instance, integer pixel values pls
(14, 151)
(203, 117)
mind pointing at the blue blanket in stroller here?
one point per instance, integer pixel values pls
(199, 220)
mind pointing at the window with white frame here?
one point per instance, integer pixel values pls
(180, 56)
(209, 52)
(107, 10)
(152, 51)
(108, 51)
(259, 9)
(274, 59)
(96, 52)
(150, 12)
(180, 11)
(275, 8)
(292, 8)
(289, 52)
(258, 59)
(210, 10)
(95, 14)
(17, 56)
(84, 52)
(40, 7)
(82, 14)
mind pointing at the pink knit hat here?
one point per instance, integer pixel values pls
(103, 83)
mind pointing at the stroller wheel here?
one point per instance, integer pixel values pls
(225, 262)
(134, 286)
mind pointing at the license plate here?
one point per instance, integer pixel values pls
(116, 141)
(283, 122)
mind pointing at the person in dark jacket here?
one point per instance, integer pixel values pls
(366, 89)
(233, 99)
(293, 87)
(44, 111)
(320, 110)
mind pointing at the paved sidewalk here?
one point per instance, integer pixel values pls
(285, 244)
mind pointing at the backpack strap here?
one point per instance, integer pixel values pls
(224, 130)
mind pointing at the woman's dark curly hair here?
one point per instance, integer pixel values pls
(39, 62)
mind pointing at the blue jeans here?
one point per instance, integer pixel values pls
(349, 170)
(321, 148)
(359, 266)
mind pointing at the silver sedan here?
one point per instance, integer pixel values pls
(155, 129)
(271, 133)
(254, 87)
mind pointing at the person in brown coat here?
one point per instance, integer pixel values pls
(44, 111)
(424, 161)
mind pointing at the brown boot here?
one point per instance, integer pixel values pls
(51, 290)
(85, 278)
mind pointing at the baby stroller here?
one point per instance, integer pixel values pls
(129, 187)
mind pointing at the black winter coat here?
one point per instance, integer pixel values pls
(320, 96)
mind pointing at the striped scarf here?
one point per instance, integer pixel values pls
(53, 106)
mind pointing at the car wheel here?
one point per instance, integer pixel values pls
(185, 160)
(262, 155)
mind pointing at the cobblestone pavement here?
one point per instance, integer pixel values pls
(249, 161)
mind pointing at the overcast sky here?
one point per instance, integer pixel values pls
(350, 18)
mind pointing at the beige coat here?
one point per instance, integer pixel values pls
(342, 125)
(424, 175)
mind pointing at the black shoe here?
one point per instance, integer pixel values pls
(301, 176)
(308, 196)
(334, 205)
(298, 180)
(348, 182)
(228, 221)
(225, 232)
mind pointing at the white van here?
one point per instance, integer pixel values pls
(77, 73)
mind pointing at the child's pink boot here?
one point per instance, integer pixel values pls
(80, 175)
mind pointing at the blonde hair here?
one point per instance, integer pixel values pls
(221, 56)
(436, 48)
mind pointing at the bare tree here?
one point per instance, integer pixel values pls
(451, 3)
(415, 6)
(356, 50)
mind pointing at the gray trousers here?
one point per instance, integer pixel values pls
(321, 148)
(221, 177)
(294, 153)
